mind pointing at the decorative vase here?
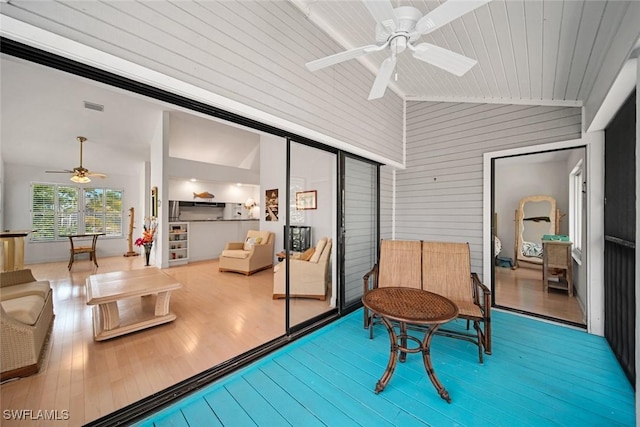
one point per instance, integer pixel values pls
(147, 253)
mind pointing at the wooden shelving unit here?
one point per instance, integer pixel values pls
(178, 243)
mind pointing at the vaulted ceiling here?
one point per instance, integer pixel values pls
(546, 52)
(533, 51)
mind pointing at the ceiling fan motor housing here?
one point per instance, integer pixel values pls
(406, 16)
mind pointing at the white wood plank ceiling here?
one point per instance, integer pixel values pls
(529, 51)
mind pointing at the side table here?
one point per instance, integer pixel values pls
(415, 307)
(556, 255)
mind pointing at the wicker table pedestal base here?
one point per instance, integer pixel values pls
(415, 307)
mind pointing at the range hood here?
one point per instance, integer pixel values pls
(202, 204)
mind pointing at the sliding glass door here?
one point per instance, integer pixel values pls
(359, 224)
(311, 236)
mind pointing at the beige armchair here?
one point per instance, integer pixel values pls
(250, 256)
(308, 279)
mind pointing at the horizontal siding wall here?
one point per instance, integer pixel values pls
(439, 194)
(386, 202)
(252, 52)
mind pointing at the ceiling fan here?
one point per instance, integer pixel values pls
(80, 174)
(397, 30)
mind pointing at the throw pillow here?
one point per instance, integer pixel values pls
(306, 255)
(248, 244)
(319, 248)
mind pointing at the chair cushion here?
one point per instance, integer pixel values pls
(235, 253)
(24, 309)
(40, 288)
(319, 248)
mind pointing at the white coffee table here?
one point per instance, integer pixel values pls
(117, 308)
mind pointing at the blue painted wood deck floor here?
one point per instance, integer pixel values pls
(540, 374)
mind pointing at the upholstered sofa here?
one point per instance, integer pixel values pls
(252, 255)
(309, 278)
(26, 317)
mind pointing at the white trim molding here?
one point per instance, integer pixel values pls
(594, 245)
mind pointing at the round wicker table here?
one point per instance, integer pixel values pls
(414, 307)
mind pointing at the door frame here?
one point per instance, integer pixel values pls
(594, 143)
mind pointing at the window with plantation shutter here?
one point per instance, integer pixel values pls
(94, 210)
(67, 210)
(43, 211)
(113, 212)
(60, 210)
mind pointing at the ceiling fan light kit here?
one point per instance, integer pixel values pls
(397, 30)
(80, 174)
(80, 179)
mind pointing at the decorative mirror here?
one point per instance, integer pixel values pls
(535, 217)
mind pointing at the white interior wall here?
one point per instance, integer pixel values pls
(317, 169)
(185, 169)
(227, 192)
(17, 216)
(273, 161)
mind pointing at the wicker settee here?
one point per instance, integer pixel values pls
(26, 317)
(440, 267)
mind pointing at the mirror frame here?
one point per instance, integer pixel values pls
(519, 227)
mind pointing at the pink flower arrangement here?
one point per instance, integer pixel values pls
(150, 227)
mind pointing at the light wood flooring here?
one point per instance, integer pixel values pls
(522, 289)
(219, 315)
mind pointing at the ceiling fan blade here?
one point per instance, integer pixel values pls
(339, 57)
(443, 58)
(65, 171)
(445, 13)
(96, 174)
(382, 80)
(382, 11)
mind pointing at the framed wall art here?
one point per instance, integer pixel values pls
(306, 200)
(271, 205)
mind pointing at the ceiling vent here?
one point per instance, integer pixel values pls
(91, 106)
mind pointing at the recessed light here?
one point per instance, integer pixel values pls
(193, 180)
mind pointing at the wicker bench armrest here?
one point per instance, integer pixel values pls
(369, 279)
(480, 290)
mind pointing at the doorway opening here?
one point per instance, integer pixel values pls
(534, 197)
